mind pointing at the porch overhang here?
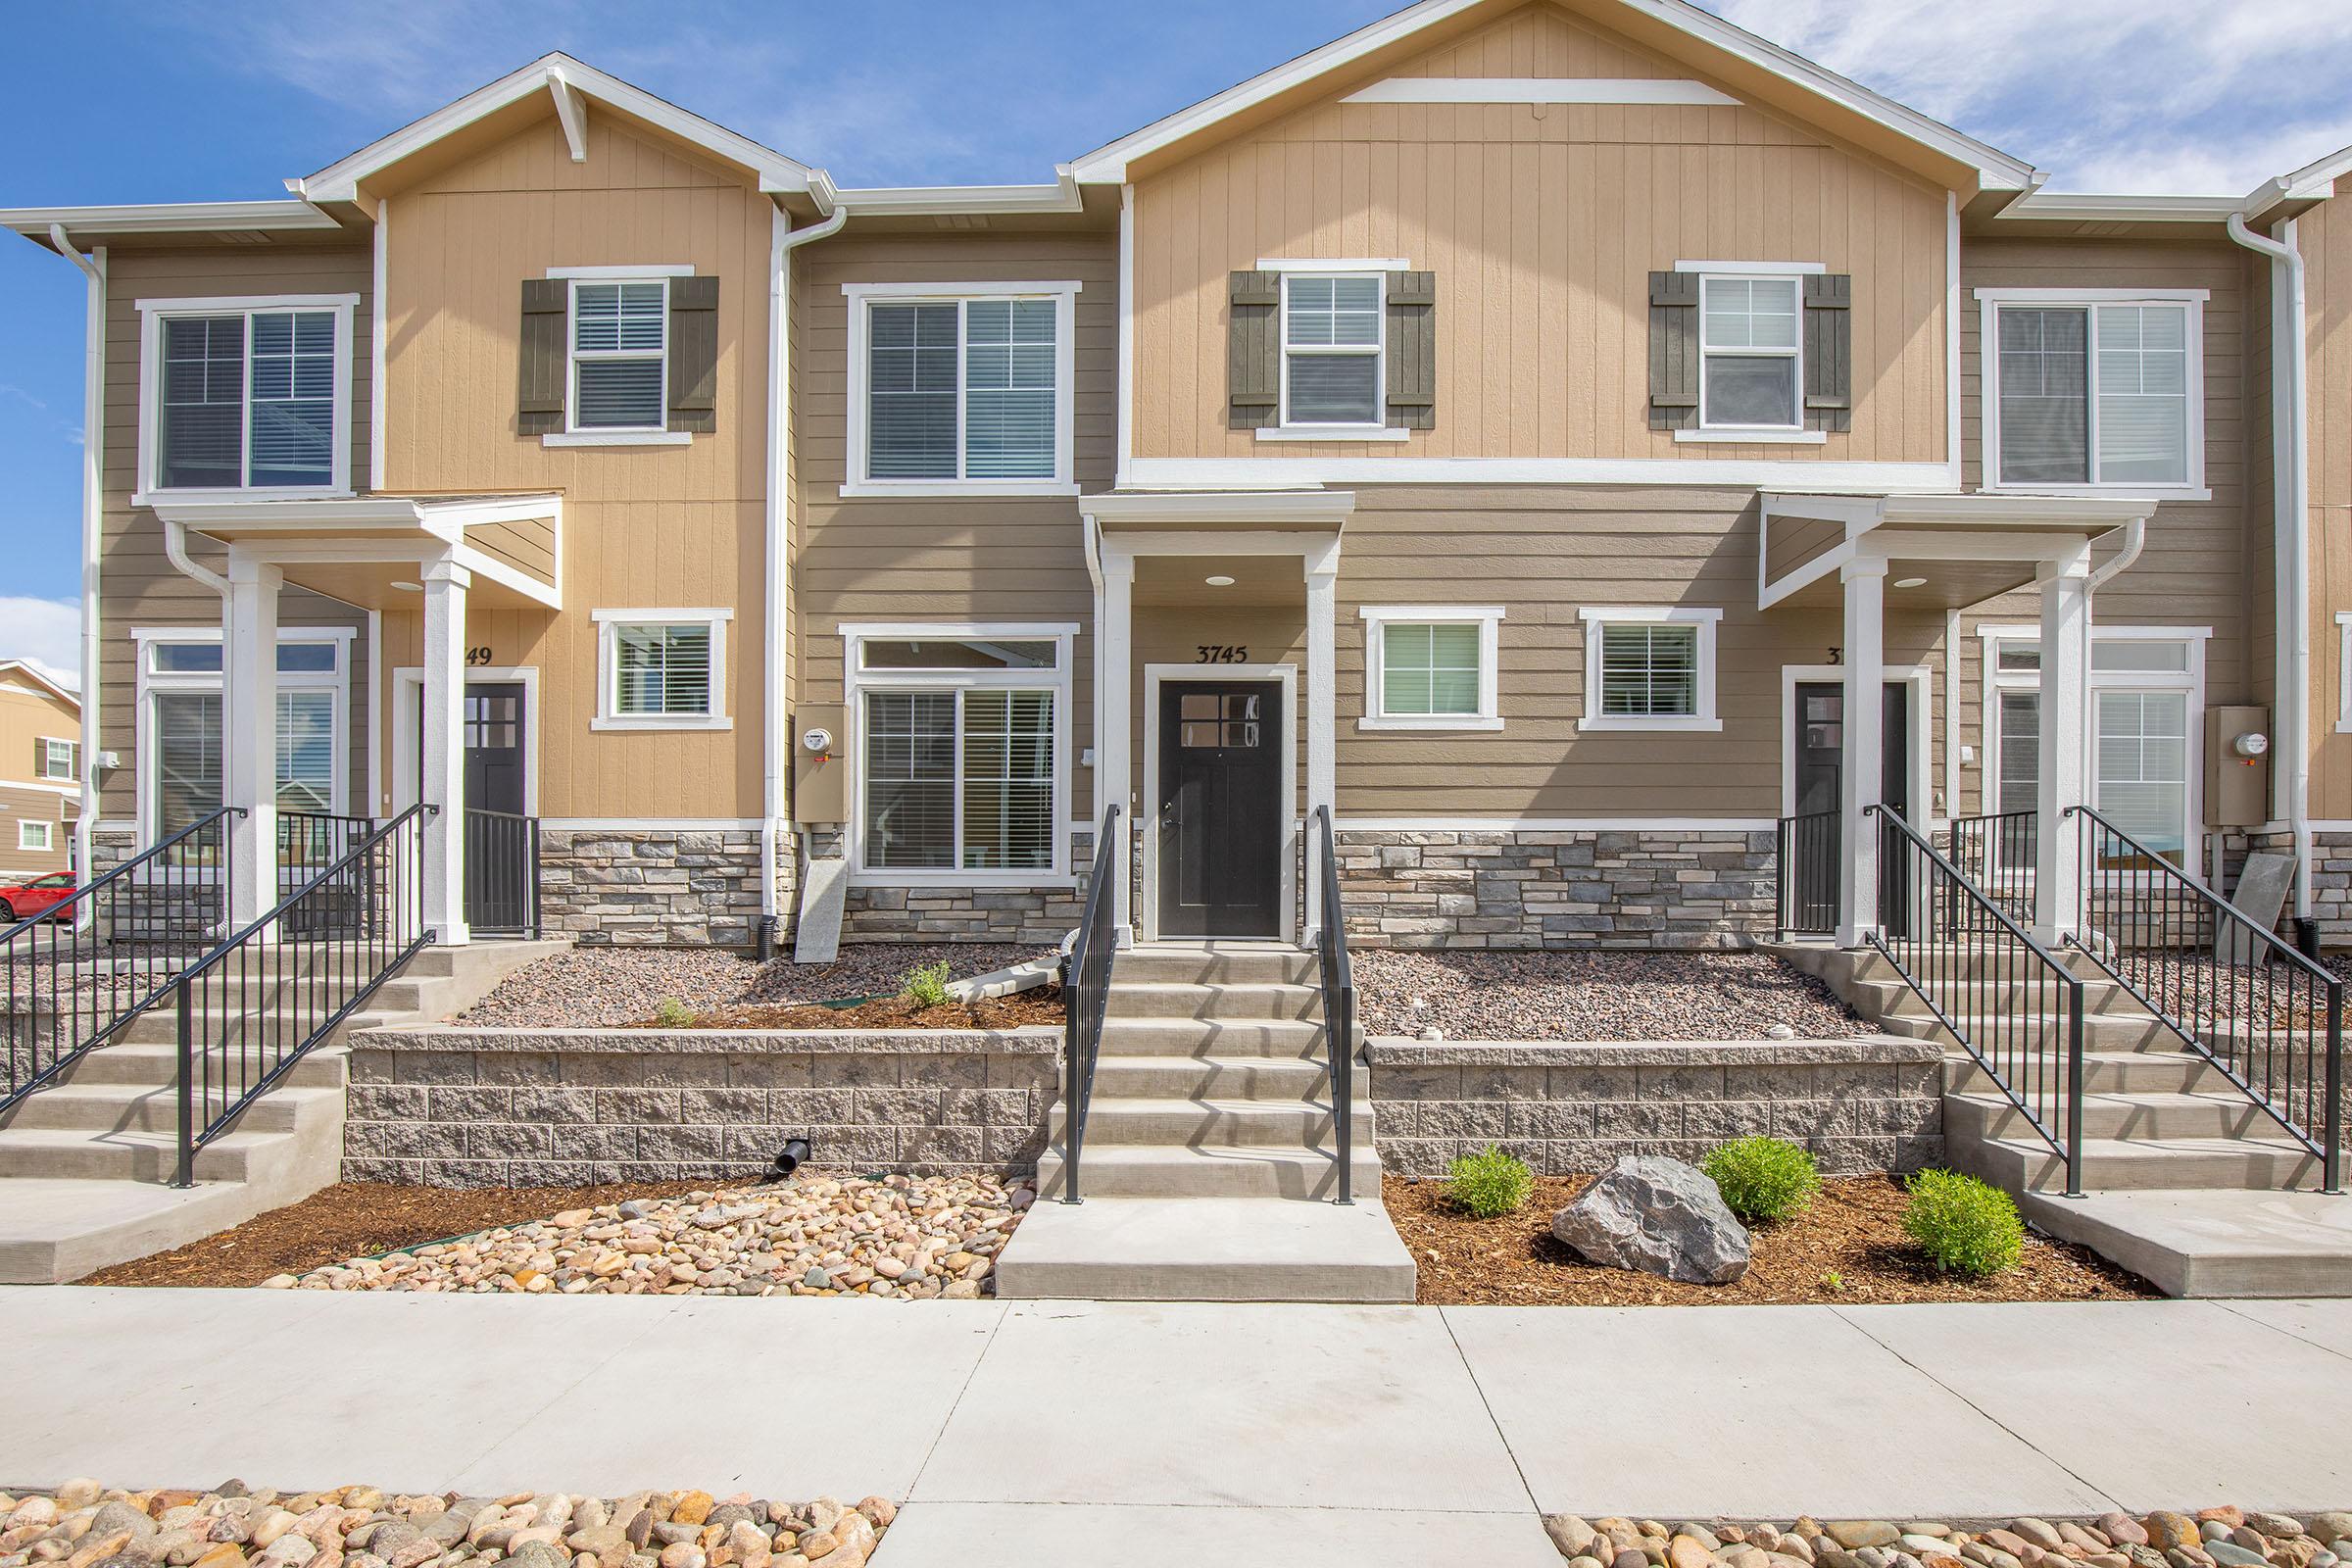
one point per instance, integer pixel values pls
(369, 550)
(1941, 552)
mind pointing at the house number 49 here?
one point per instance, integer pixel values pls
(477, 655)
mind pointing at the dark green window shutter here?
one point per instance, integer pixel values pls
(1672, 351)
(546, 316)
(1412, 393)
(1829, 351)
(694, 354)
(1254, 352)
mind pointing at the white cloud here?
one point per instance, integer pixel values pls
(45, 633)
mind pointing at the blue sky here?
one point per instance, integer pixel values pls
(202, 101)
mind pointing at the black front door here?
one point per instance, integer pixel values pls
(498, 846)
(1819, 744)
(1219, 862)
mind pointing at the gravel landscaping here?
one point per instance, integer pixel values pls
(606, 987)
(1594, 996)
(2225, 1537)
(82, 1524)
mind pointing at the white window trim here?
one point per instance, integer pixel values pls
(152, 315)
(1793, 433)
(1291, 430)
(1988, 398)
(856, 682)
(1063, 294)
(1377, 618)
(1754, 268)
(1596, 617)
(608, 676)
(72, 759)
(24, 831)
(2343, 672)
(149, 683)
(613, 436)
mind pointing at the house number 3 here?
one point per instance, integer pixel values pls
(1222, 653)
(477, 655)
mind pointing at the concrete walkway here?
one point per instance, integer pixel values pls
(1142, 1434)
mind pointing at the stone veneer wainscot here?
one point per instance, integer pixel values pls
(654, 886)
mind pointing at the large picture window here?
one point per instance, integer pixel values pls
(2093, 391)
(964, 390)
(246, 395)
(179, 748)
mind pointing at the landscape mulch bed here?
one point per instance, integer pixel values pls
(1040, 1006)
(1853, 1232)
(357, 1219)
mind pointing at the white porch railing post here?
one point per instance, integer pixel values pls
(2065, 710)
(444, 750)
(1322, 718)
(249, 735)
(1115, 748)
(1859, 788)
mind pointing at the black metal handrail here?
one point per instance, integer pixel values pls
(1995, 852)
(73, 972)
(502, 872)
(1339, 1000)
(1805, 875)
(1086, 995)
(281, 985)
(2251, 1006)
(308, 841)
(1988, 982)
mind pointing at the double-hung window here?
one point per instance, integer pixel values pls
(34, 837)
(620, 354)
(1429, 667)
(661, 669)
(1649, 668)
(246, 395)
(962, 737)
(2093, 387)
(1751, 371)
(1333, 340)
(179, 720)
(56, 758)
(961, 389)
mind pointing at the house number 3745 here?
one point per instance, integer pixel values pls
(1222, 653)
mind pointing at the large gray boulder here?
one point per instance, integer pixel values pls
(1656, 1216)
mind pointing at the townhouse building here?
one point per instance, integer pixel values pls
(1593, 451)
(40, 768)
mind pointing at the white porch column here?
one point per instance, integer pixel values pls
(1322, 598)
(1115, 748)
(443, 748)
(249, 735)
(1859, 770)
(2065, 708)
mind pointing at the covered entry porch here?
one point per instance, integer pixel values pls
(428, 556)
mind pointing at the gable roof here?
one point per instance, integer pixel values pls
(1758, 68)
(64, 694)
(566, 80)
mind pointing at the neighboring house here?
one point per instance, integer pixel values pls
(1564, 439)
(40, 772)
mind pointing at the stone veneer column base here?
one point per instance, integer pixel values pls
(652, 886)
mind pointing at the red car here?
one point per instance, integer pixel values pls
(31, 898)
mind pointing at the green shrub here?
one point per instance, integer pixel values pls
(1489, 1184)
(1763, 1179)
(671, 1014)
(927, 986)
(1964, 1226)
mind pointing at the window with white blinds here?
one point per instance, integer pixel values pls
(1333, 330)
(58, 758)
(661, 669)
(1749, 353)
(179, 754)
(970, 391)
(619, 355)
(1429, 667)
(1650, 670)
(246, 399)
(2096, 392)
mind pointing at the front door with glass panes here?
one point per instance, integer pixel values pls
(1817, 742)
(1219, 839)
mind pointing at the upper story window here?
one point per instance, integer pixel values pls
(246, 395)
(1649, 668)
(55, 759)
(661, 669)
(1751, 354)
(961, 389)
(2093, 387)
(619, 355)
(1429, 667)
(1332, 349)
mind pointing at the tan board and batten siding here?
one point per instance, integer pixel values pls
(2325, 236)
(138, 586)
(645, 527)
(1543, 224)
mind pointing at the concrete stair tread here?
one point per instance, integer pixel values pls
(2213, 1243)
(2150, 1098)
(1159, 1105)
(61, 1228)
(1208, 1250)
(126, 1138)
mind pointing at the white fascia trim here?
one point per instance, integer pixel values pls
(594, 274)
(1334, 264)
(340, 180)
(1756, 269)
(1264, 473)
(1275, 509)
(617, 438)
(1554, 824)
(917, 201)
(2087, 208)
(1775, 436)
(18, 667)
(165, 217)
(1334, 432)
(1538, 90)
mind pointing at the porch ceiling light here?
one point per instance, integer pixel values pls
(1910, 582)
(1218, 581)
(410, 587)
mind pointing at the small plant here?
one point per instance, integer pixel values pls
(1763, 1179)
(1489, 1184)
(671, 1014)
(1833, 1282)
(1964, 1226)
(927, 986)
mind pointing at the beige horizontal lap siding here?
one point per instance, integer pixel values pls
(138, 586)
(1544, 555)
(646, 527)
(2325, 236)
(944, 558)
(1794, 541)
(2197, 568)
(1543, 224)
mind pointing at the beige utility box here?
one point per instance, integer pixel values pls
(2237, 766)
(820, 773)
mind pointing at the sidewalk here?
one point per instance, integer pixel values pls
(1046, 1432)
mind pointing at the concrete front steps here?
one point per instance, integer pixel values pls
(1210, 1162)
(2186, 1182)
(83, 1161)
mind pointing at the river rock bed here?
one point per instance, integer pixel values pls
(898, 1237)
(2222, 1537)
(82, 1525)
(1464, 994)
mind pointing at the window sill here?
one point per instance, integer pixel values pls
(978, 881)
(1437, 721)
(2149, 492)
(151, 498)
(920, 489)
(617, 438)
(1336, 432)
(1785, 438)
(619, 721)
(1686, 726)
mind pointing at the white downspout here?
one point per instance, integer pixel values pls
(93, 440)
(783, 240)
(2291, 452)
